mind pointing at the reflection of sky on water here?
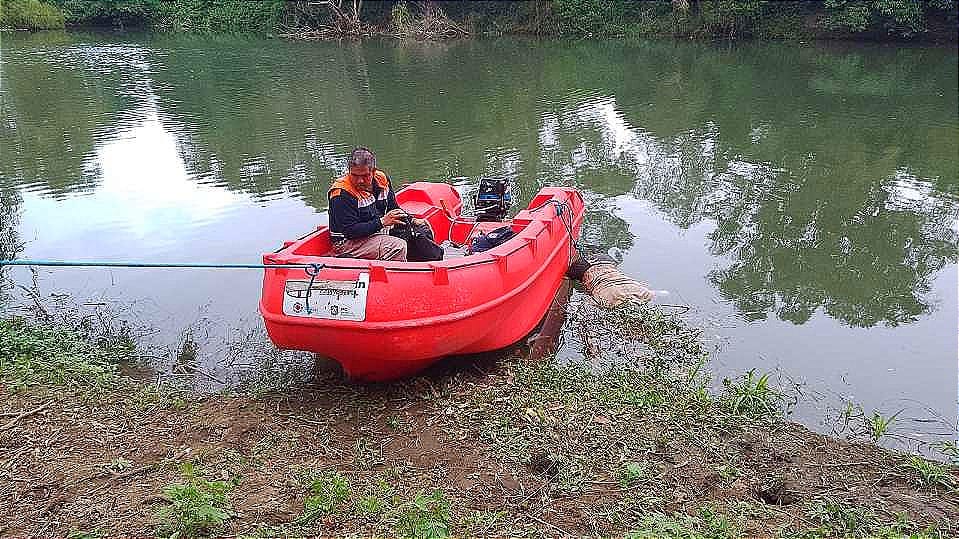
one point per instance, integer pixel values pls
(144, 194)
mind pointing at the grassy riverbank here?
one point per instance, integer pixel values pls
(879, 20)
(474, 447)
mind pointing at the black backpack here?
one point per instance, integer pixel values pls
(420, 246)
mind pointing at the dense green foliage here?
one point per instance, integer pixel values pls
(765, 19)
(32, 354)
(902, 18)
(219, 15)
(108, 12)
(176, 15)
(30, 15)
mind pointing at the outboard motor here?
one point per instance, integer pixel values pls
(493, 200)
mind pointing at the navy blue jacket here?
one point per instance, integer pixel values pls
(356, 214)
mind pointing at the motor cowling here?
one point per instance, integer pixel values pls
(493, 199)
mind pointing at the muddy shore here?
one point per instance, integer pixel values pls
(509, 446)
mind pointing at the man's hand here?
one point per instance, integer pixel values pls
(393, 217)
(419, 222)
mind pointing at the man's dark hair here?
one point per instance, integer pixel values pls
(361, 157)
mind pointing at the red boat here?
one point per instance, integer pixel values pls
(383, 320)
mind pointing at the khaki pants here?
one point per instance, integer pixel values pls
(610, 287)
(379, 246)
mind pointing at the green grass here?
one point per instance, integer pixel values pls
(930, 475)
(479, 523)
(832, 518)
(197, 507)
(631, 474)
(708, 524)
(728, 473)
(879, 425)
(839, 519)
(327, 493)
(36, 354)
(949, 449)
(751, 396)
(425, 517)
(370, 505)
(376, 500)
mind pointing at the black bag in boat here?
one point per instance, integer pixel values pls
(420, 246)
(491, 239)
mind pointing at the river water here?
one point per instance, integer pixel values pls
(802, 198)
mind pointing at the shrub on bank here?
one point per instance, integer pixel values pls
(898, 18)
(176, 15)
(119, 13)
(30, 15)
(219, 16)
(724, 19)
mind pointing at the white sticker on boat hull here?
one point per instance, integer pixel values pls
(332, 300)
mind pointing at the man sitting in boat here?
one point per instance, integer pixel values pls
(362, 210)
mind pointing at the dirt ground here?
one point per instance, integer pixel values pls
(98, 462)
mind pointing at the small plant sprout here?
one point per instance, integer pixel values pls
(728, 472)
(631, 473)
(751, 396)
(370, 505)
(426, 517)
(120, 464)
(837, 519)
(949, 449)
(878, 425)
(374, 503)
(328, 492)
(197, 507)
(707, 524)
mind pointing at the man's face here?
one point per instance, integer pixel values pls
(362, 178)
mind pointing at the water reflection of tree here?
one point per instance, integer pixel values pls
(421, 107)
(864, 265)
(603, 230)
(831, 178)
(831, 226)
(10, 244)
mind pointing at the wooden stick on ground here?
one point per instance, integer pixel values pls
(28, 413)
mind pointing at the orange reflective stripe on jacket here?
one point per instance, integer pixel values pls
(344, 183)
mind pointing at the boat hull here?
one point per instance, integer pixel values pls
(419, 312)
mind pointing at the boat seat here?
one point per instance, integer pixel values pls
(451, 251)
